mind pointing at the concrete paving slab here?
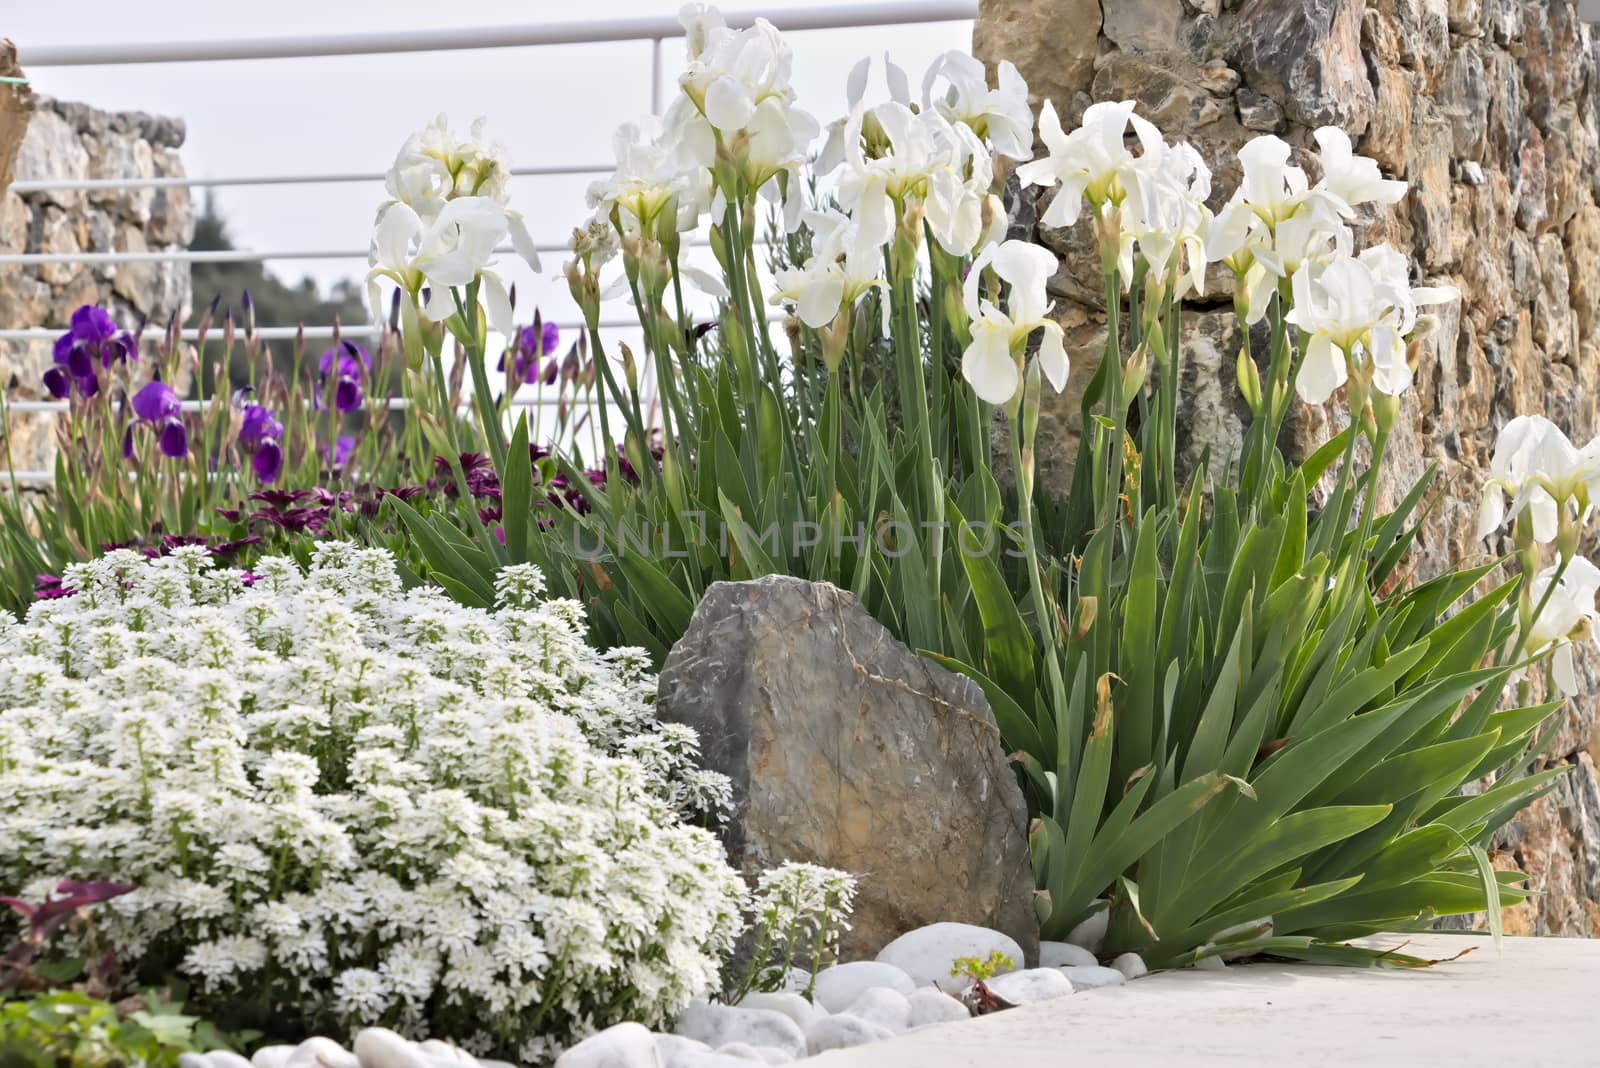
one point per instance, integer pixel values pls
(1535, 1003)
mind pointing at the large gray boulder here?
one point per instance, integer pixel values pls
(846, 749)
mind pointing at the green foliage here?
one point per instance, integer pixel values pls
(979, 969)
(66, 1029)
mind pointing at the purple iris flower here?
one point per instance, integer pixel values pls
(174, 439)
(157, 404)
(59, 382)
(349, 363)
(343, 446)
(267, 460)
(258, 436)
(529, 346)
(257, 427)
(91, 338)
(549, 337)
(156, 401)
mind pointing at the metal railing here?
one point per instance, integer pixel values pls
(654, 30)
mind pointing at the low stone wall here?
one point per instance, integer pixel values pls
(1489, 109)
(65, 140)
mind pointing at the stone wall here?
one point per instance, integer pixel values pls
(16, 103)
(1489, 109)
(66, 140)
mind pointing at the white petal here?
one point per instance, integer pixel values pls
(1322, 373)
(1067, 205)
(819, 301)
(856, 83)
(728, 105)
(1491, 511)
(1053, 356)
(875, 216)
(391, 241)
(705, 281)
(498, 304)
(899, 84)
(987, 363)
(1028, 268)
(1565, 670)
(1546, 517)
(972, 287)
(521, 240)
(441, 304)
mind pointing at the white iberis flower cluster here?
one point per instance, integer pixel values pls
(447, 212)
(804, 903)
(346, 803)
(798, 914)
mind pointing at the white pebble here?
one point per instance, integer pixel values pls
(843, 1032)
(319, 1052)
(715, 1059)
(792, 1005)
(1035, 984)
(797, 981)
(226, 1058)
(379, 1047)
(759, 1054)
(674, 1050)
(1065, 955)
(1091, 933)
(1093, 977)
(719, 1025)
(884, 1007)
(627, 1045)
(930, 1006)
(841, 984)
(272, 1057)
(1131, 965)
(1211, 964)
(928, 953)
(446, 1052)
(193, 1060)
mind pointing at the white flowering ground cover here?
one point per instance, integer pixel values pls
(346, 803)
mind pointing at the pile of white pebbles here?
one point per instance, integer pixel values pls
(908, 986)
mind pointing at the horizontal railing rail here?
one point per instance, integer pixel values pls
(180, 181)
(282, 333)
(245, 255)
(382, 42)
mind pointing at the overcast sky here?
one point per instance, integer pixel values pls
(548, 104)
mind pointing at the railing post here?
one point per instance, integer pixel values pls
(655, 76)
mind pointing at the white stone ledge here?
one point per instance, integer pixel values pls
(1535, 1003)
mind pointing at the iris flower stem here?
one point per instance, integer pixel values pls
(1526, 628)
(490, 426)
(915, 403)
(1169, 425)
(734, 265)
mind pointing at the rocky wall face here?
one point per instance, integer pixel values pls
(65, 140)
(16, 103)
(1489, 109)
